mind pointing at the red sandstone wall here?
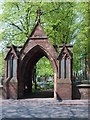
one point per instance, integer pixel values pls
(81, 92)
(64, 91)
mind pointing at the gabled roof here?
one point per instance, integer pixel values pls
(12, 49)
(65, 50)
(38, 32)
(8, 50)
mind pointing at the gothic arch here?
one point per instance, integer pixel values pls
(30, 59)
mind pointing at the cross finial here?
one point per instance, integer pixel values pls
(39, 13)
(64, 45)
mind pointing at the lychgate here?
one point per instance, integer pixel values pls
(20, 61)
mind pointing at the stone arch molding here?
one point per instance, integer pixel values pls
(44, 51)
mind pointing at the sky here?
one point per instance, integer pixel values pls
(1, 1)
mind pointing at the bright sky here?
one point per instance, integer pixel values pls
(1, 1)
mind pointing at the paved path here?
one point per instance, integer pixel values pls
(44, 108)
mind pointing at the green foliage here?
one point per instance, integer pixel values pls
(19, 18)
(62, 22)
(44, 67)
(81, 42)
(45, 86)
(1, 65)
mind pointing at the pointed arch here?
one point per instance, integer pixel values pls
(28, 61)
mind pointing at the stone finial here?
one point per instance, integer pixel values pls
(39, 13)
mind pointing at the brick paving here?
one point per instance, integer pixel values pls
(44, 108)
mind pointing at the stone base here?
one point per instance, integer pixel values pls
(64, 91)
(10, 90)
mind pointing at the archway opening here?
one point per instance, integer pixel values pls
(38, 82)
(43, 79)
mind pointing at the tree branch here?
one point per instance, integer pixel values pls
(16, 26)
(20, 20)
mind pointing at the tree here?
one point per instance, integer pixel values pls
(19, 18)
(81, 52)
(44, 67)
(62, 22)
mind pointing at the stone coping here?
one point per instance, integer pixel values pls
(84, 85)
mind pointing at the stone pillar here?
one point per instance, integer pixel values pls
(64, 81)
(10, 88)
(64, 90)
(10, 83)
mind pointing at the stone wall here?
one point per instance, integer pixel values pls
(81, 91)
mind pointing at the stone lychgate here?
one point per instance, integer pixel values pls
(20, 62)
